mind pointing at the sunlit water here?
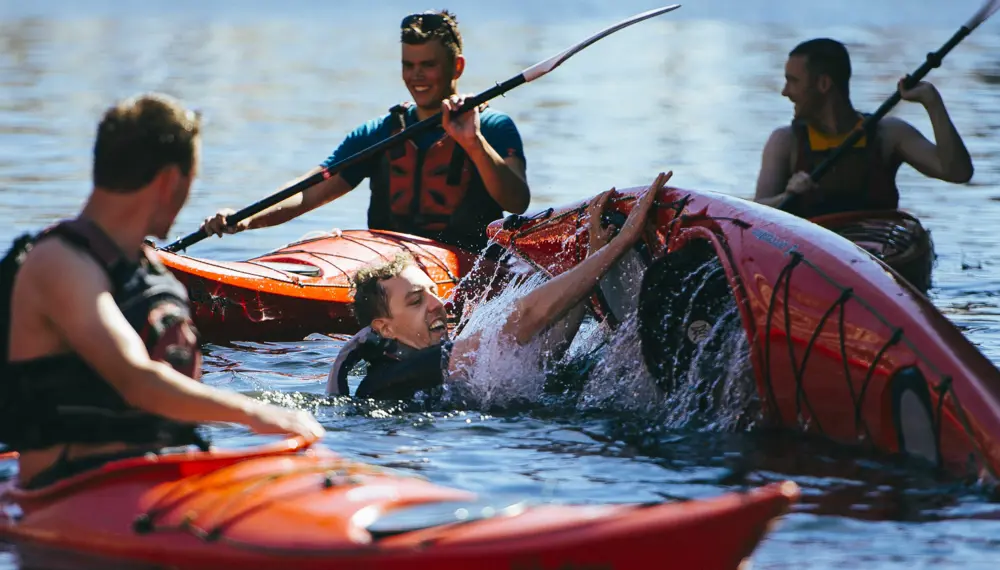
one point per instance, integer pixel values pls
(695, 91)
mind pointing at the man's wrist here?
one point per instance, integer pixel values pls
(474, 146)
(932, 99)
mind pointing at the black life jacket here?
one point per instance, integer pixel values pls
(60, 399)
(395, 370)
(860, 180)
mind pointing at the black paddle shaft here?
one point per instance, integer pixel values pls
(328, 172)
(933, 61)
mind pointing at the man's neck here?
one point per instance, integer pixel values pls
(836, 119)
(120, 219)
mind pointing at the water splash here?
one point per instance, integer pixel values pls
(717, 392)
(502, 372)
(619, 380)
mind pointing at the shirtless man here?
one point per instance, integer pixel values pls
(102, 360)
(817, 78)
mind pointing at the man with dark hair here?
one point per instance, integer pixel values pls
(405, 335)
(817, 82)
(100, 358)
(447, 184)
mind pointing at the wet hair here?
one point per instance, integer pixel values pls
(441, 25)
(827, 57)
(138, 137)
(370, 299)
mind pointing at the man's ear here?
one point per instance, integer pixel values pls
(459, 66)
(824, 84)
(382, 326)
(165, 182)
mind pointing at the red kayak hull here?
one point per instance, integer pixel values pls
(304, 287)
(281, 507)
(841, 345)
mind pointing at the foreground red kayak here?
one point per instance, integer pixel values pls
(280, 506)
(304, 287)
(841, 344)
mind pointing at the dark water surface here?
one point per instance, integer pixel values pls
(696, 91)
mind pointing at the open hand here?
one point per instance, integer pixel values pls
(639, 216)
(599, 234)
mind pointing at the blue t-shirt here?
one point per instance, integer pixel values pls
(498, 129)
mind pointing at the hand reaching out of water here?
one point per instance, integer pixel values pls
(639, 216)
(600, 234)
(548, 303)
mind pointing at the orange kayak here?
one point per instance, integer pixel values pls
(282, 506)
(894, 237)
(304, 287)
(841, 346)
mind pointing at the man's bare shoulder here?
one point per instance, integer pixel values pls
(54, 266)
(893, 127)
(782, 135)
(891, 131)
(779, 144)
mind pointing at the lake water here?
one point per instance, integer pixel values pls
(695, 91)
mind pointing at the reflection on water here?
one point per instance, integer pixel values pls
(696, 92)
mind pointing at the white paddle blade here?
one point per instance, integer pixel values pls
(543, 67)
(988, 9)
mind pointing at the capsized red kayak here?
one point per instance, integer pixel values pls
(279, 506)
(304, 287)
(841, 345)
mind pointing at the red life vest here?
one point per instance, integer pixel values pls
(434, 192)
(859, 180)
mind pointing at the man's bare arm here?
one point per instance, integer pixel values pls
(550, 302)
(303, 202)
(288, 209)
(505, 179)
(83, 312)
(774, 168)
(947, 160)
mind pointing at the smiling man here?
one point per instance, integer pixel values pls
(447, 184)
(405, 338)
(817, 82)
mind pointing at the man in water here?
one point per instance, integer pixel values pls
(817, 77)
(447, 184)
(101, 358)
(405, 339)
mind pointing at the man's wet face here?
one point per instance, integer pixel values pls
(417, 318)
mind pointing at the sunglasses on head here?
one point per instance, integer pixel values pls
(429, 22)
